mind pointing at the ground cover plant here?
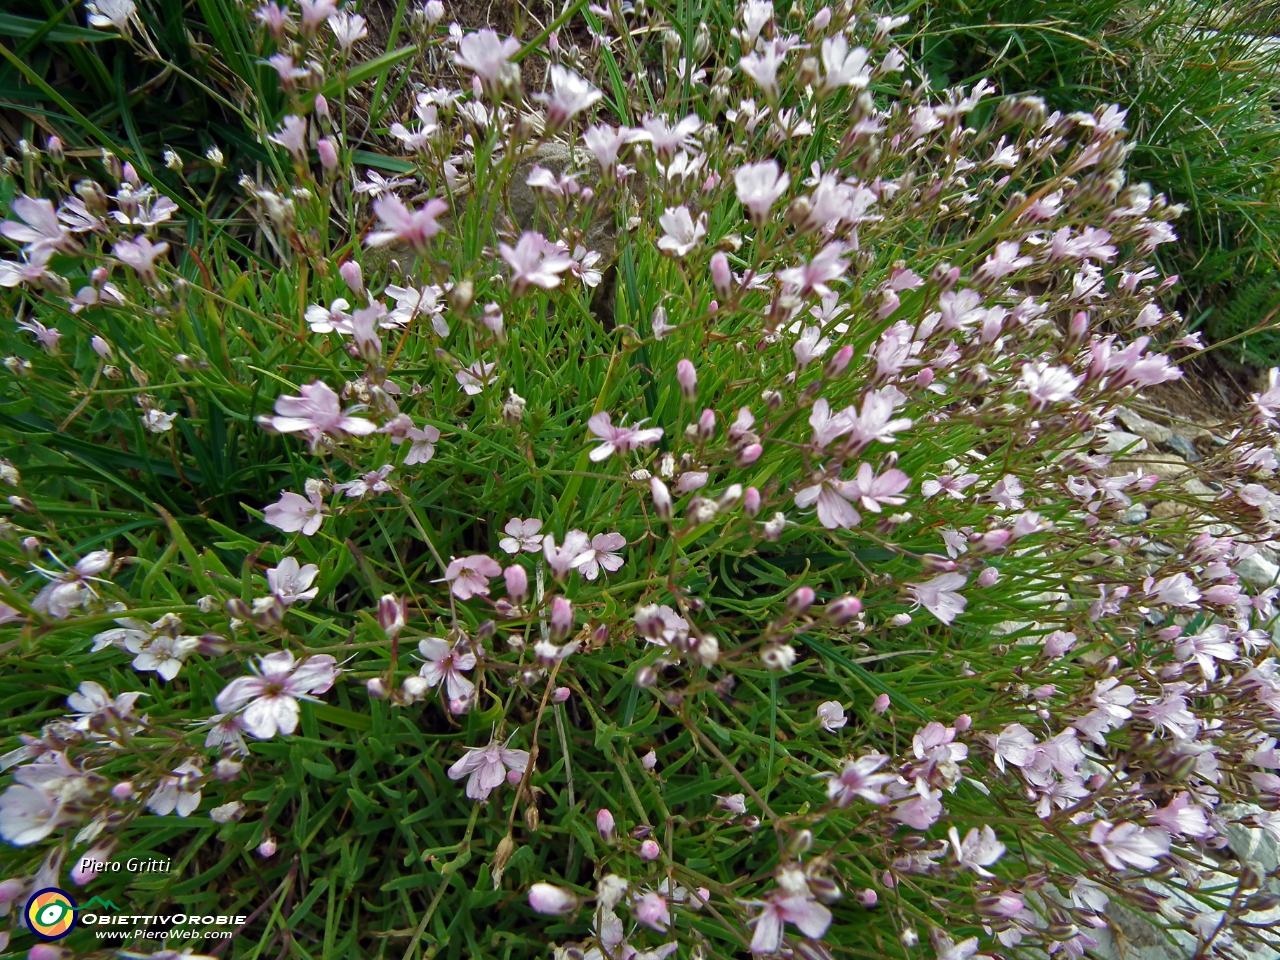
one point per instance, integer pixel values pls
(673, 508)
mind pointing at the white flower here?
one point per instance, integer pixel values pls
(1047, 384)
(682, 232)
(178, 793)
(111, 13)
(522, 535)
(487, 767)
(939, 595)
(831, 715)
(291, 582)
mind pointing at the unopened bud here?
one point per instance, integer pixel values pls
(800, 600)
(392, 614)
(721, 275)
(661, 498)
(687, 376)
(328, 154)
(751, 502)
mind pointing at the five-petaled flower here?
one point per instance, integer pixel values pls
(267, 702)
(486, 768)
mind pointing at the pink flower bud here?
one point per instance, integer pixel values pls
(267, 848)
(1044, 692)
(1170, 633)
(713, 306)
(514, 777)
(561, 619)
(322, 107)
(11, 890)
(477, 88)
(649, 850)
(122, 790)
(843, 610)
(328, 154)
(551, 900)
(751, 502)
(721, 275)
(649, 760)
(651, 909)
(800, 600)
(707, 424)
(392, 614)
(839, 363)
(434, 11)
(820, 21)
(353, 275)
(227, 770)
(868, 897)
(661, 498)
(605, 824)
(988, 577)
(517, 583)
(56, 153)
(130, 175)
(937, 563)
(881, 704)
(98, 276)
(925, 377)
(963, 723)
(560, 694)
(102, 348)
(1058, 643)
(711, 182)
(1079, 328)
(376, 688)
(687, 376)
(460, 705)
(749, 454)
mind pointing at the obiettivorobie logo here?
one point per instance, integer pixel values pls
(51, 913)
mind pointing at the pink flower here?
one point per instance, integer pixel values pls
(1125, 845)
(876, 421)
(570, 95)
(1015, 744)
(813, 277)
(399, 222)
(800, 909)
(488, 56)
(522, 535)
(923, 810)
(1004, 260)
(535, 261)
(316, 413)
(560, 559)
(831, 716)
(270, 699)
(978, 850)
(487, 767)
(667, 140)
(681, 232)
(844, 67)
(601, 555)
(939, 596)
(347, 29)
(141, 254)
(759, 187)
(832, 497)
(475, 378)
(619, 439)
(858, 778)
(292, 136)
(40, 231)
(335, 319)
(177, 794)
(826, 427)
(1046, 384)
(1183, 817)
(470, 575)
(446, 664)
(1177, 590)
(1206, 648)
(290, 582)
(953, 487)
(876, 491)
(651, 910)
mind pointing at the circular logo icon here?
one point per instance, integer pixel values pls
(51, 913)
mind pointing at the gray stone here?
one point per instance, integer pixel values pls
(1182, 447)
(1136, 514)
(1118, 441)
(1257, 571)
(1136, 423)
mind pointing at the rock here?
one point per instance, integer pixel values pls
(1118, 441)
(1136, 423)
(1182, 447)
(1249, 844)
(1163, 465)
(557, 157)
(1168, 508)
(1196, 488)
(1257, 571)
(1136, 514)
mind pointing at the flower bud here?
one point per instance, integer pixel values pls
(513, 408)
(122, 790)
(561, 619)
(649, 850)
(868, 898)
(414, 688)
(687, 376)
(605, 824)
(800, 600)
(839, 363)
(328, 154)
(227, 770)
(721, 275)
(376, 687)
(963, 723)
(707, 424)
(392, 614)
(751, 502)
(646, 677)
(661, 498)
(650, 760)
(353, 275)
(267, 848)
(944, 276)
(517, 583)
(881, 705)
(841, 611)
(321, 107)
(433, 11)
(749, 454)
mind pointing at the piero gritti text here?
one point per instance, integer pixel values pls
(132, 865)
